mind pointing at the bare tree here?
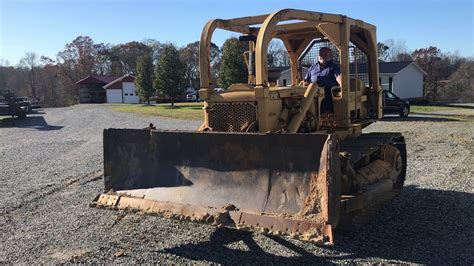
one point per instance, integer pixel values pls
(30, 62)
(155, 46)
(4, 62)
(395, 48)
(277, 54)
(382, 49)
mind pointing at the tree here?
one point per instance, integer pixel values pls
(460, 86)
(30, 62)
(103, 64)
(126, 55)
(382, 51)
(155, 47)
(396, 47)
(190, 57)
(4, 62)
(169, 73)
(233, 68)
(404, 57)
(436, 68)
(277, 54)
(78, 58)
(144, 79)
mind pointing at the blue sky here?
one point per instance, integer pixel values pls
(45, 26)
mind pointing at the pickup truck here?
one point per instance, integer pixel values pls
(392, 104)
(10, 106)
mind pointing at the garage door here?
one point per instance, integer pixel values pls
(114, 96)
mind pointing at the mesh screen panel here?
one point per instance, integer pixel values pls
(358, 64)
(310, 55)
(232, 117)
(357, 59)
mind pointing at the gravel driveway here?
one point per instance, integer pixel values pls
(48, 178)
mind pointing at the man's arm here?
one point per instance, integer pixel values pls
(307, 78)
(337, 74)
(339, 79)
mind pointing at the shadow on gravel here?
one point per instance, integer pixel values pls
(35, 122)
(423, 226)
(216, 250)
(420, 119)
(420, 226)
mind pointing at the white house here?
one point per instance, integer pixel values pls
(285, 76)
(122, 90)
(405, 79)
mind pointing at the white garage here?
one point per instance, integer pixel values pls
(114, 96)
(122, 90)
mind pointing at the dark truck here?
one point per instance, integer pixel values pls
(392, 104)
(10, 106)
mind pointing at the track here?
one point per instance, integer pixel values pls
(359, 152)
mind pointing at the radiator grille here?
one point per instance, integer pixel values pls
(232, 117)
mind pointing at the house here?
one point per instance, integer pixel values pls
(285, 76)
(108, 89)
(122, 90)
(405, 79)
(90, 88)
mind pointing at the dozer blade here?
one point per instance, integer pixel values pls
(276, 183)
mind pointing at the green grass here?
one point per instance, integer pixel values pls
(189, 111)
(431, 108)
(193, 111)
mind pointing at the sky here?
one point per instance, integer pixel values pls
(45, 26)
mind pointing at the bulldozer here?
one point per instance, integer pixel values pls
(266, 158)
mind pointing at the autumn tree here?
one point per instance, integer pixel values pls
(144, 78)
(436, 68)
(78, 59)
(170, 73)
(233, 68)
(460, 86)
(404, 57)
(124, 56)
(103, 64)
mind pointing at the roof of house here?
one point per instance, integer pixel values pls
(96, 80)
(392, 67)
(117, 83)
(395, 67)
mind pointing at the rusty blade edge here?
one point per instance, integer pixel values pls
(320, 233)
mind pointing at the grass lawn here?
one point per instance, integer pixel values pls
(193, 111)
(190, 111)
(431, 108)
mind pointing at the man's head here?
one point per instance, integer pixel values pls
(325, 55)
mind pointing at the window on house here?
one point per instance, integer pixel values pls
(131, 94)
(380, 81)
(126, 94)
(284, 82)
(390, 84)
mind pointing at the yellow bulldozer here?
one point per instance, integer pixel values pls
(266, 158)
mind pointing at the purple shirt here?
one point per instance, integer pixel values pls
(324, 76)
